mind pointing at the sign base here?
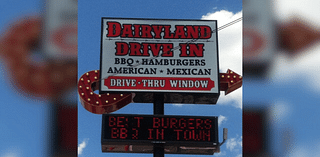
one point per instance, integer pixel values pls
(168, 149)
(183, 98)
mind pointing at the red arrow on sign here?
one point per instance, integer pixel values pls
(230, 81)
(99, 103)
(297, 35)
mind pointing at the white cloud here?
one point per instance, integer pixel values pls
(309, 10)
(304, 66)
(222, 153)
(280, 111)
(230, 40)
(230, 50)
(234, 144)
(82, 145)
(222, 119)
(179, 105)
(305, 150)
(11, 152)
(234, 98)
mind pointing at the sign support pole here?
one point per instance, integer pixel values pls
(158, 109)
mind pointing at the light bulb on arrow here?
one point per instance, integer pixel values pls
(110, 102)
(99, 103)
(230, 81)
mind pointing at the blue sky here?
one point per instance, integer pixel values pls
(292, 106)
(89, 27)
(22, 120)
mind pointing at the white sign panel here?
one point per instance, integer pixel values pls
(159, 55)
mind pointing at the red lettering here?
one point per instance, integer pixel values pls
(150, 134)
(159, 133)
(198, 136)
(135, 134)
(183, 50)
(167, 50)
(145, 49)
(196, 50)
(206, 135)
(205, 32)
(114, 29)
(173, 122)
(163, 122)
(182, 123)
(208, 123)
(127, 31)
(138, 121)
(136, 31)
(180, 33)
(112, 121)
(120, 122)
(114, 133)
(193, 32)
(135, 49)
(121, 48)
(157, 29)
(187, 135)
(190, 123)
(199, 123)
(178, 133)
(156, 122)
(123, 133)
(167, 32)
(146, 31)
(155, 48)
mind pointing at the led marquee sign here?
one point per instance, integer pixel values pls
(165, 129)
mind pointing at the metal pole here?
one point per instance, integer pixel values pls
(158, 103)
(158, 109)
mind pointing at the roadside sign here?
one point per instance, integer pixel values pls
(139, 130)
(139, 55)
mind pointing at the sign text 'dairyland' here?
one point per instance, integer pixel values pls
(141, 55)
